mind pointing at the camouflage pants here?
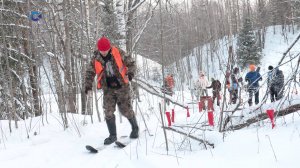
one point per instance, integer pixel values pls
(253, 91)
(120, 97)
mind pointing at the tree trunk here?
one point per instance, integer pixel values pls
(69, 83)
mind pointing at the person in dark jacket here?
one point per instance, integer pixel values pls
(114, 70)
(216, 86)
(270, 83)
(275, 83)
(253, 77)
(279, 83)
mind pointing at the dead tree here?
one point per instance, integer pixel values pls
(263, 116)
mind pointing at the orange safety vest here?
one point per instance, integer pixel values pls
(118, 59)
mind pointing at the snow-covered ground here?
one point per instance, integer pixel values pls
(258, 146)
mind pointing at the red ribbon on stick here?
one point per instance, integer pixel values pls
(210, 115)
(168, 118)
(210, 104)
(187, 111)
(271, 116)
(173, 115)
(200, 105)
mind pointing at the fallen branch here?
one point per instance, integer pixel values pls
(140, 82)
(156, 93)
(264, 116)
(191, 136)
(227, 119)
(288, 50)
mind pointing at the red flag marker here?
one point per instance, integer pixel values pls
(173, 115)
(187, 111)
(169, 118)
(271, 116)
(200, 105)
(210, 115)
(210, 104)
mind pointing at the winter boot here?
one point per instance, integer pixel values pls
(135, 128)
(111, 125)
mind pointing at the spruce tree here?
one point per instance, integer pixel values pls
(248, 50)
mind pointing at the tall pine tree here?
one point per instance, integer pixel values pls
(248, 50)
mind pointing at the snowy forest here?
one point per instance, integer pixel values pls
(47, 117)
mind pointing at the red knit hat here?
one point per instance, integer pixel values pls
(103, 44)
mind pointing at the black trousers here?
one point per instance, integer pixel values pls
(234, 95)
(273, 94)
(216, 95)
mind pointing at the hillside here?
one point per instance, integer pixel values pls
(258, 146)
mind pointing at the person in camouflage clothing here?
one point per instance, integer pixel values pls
(113, 69)
(275, 83)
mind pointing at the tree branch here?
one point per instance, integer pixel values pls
(191, 136)
(287, 51)
(158, 94)
(264, 116)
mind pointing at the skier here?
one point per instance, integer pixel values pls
(114, 70)
(253, 77)
(216, 86)
(201, 85)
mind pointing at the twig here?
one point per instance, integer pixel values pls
(272, 147)
(162, 123)
(142, 115)
(161, 96)
(191, 136)
(287, 51)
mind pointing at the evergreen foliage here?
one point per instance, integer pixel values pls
(248, 50)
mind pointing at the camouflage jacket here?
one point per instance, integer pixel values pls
(275, 79)
(90, 72)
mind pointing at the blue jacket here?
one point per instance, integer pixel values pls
(253, 77)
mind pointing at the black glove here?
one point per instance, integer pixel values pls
(130, 76)
(87, 89)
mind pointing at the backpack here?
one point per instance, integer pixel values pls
(279, 78)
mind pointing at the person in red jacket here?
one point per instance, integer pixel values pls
(113, 69)
(169, 84)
